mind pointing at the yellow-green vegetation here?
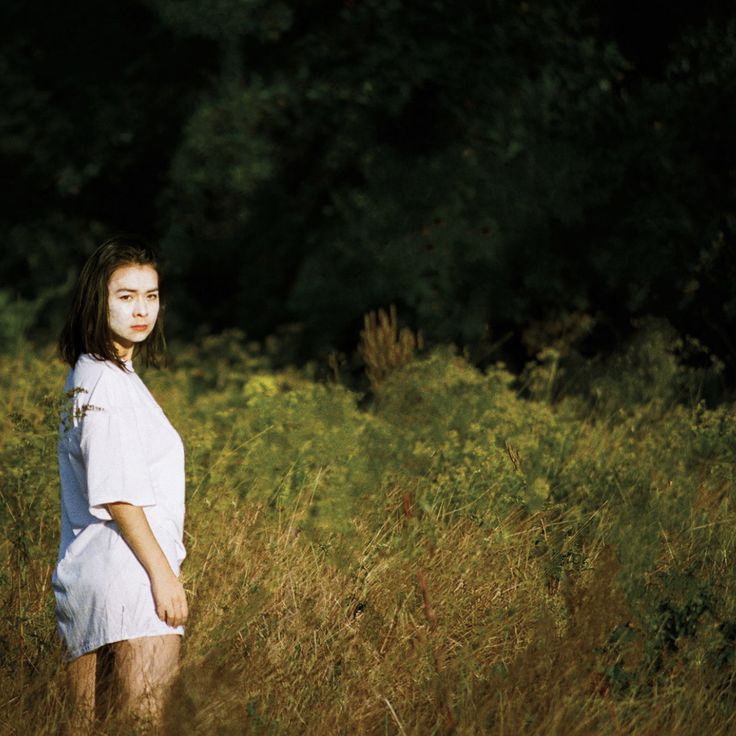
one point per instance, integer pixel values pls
(442, 556)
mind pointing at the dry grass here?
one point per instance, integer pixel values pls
(305, 644)
(445, 608)
(384, 347)
(285, 639)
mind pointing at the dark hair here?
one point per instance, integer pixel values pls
(87, 326)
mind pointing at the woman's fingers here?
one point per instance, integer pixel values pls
(171, 604)
(167, 613)
(179, 616)
(177, 613)
(180, 608)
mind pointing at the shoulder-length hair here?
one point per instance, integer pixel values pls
(87, 326)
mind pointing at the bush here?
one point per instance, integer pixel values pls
(418, 563)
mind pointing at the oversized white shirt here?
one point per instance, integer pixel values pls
(115, 444)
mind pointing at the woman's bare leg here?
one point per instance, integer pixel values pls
(81, 679)
(144, 670)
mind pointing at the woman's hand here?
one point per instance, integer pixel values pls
(170, 599)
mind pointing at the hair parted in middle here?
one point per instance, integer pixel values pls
(87, 326)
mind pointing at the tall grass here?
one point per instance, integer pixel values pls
(449, 558)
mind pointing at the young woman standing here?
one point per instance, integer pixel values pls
(121, 467)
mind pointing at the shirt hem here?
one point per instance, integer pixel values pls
(87, 647)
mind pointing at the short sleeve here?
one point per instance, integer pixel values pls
(115, 460)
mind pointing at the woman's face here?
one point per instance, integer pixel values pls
(132, 306)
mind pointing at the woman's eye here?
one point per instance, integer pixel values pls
(126, 297)
(152, 297)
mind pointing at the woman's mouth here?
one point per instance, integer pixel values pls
(140, 328)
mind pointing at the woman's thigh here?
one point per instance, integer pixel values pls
(81, 679)
(81, 675)
(146, 665)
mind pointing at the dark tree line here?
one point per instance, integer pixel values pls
(484, 166)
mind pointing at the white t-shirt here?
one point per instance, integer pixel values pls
(115, 444)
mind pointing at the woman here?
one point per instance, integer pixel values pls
(121, 466)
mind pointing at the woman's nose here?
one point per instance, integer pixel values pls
(141, 307)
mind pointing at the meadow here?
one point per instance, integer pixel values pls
(454, 550)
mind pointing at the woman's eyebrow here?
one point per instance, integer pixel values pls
(125, 288)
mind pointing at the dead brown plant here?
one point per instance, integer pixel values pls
(384, 347)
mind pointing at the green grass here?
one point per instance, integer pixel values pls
(444, 556)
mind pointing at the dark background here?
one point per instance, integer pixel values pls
(500, 171)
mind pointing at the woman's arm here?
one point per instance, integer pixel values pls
(168, 592)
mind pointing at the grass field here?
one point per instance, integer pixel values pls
(459, 551)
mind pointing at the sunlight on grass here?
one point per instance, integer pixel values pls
(451, 557)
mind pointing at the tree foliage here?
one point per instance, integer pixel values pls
(311, 161)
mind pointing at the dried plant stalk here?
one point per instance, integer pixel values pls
(383, 347)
